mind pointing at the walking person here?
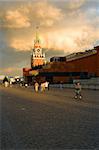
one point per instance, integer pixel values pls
(47, 85)
(36, 87)
(78, 89)
(42, 87)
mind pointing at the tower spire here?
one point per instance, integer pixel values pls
(37, 40)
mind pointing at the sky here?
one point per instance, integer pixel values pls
(65, 26)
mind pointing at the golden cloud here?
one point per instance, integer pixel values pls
(59, 31)
(15, 19)
(48, 12)
(44, 13)
(41, 13)
(10, 70)
(21, 44)
(76, 4)
(63, 39)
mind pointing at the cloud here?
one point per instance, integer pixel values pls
(61, 39)
(28, 14)
(15, 19)
(64, 32)
(21, 44)
(59, 31)
(71, 39)
(47, 14)
(76, 4)
(11, 70)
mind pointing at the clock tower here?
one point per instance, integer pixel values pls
(37, 57)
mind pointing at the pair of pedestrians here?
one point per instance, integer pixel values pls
(42, 87)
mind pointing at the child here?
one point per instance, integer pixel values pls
(78, 90)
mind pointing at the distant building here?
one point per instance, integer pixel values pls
(37, 56)
(81, 65)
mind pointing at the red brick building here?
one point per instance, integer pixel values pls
(79, 65)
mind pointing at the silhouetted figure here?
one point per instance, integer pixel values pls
(5, 79)
(6, 82)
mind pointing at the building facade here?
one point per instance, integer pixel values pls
(80, 65)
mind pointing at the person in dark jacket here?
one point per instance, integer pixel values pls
(78, 89)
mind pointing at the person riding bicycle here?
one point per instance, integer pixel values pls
(78, 90)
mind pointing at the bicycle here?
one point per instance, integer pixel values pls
(78, 94)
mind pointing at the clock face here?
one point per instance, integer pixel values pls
(38, 50)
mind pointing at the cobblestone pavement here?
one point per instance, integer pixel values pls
(51, 120)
